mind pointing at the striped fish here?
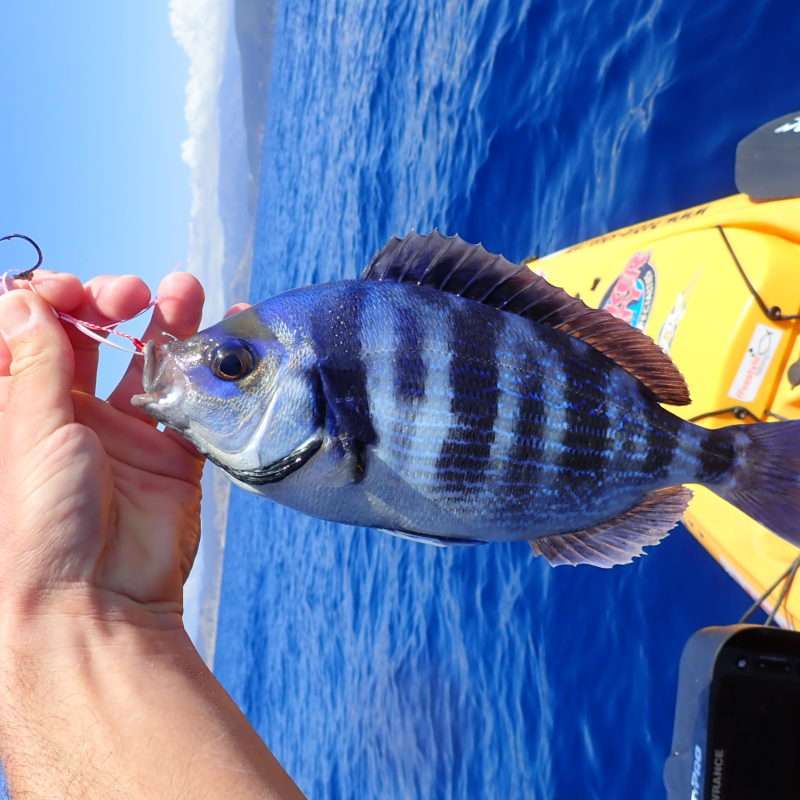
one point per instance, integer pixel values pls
(450, 396)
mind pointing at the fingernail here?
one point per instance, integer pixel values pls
(15, 313)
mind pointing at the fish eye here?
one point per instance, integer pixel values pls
(232, 363)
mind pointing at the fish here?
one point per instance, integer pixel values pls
(450, 396)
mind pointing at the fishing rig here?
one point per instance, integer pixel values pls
(93, 330)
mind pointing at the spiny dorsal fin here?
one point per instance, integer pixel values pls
(623, 537)
(452, 265)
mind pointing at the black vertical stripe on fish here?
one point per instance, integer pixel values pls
(602, 434)
(410, 373)
(522, 467)
(717, 455)
(319, 402)
(410, 369)
(465, 453)
(663, 438)
(336, 335)
(584, 446)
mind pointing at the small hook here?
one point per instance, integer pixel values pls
(27, 274)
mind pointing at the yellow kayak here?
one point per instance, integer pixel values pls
(716, 286)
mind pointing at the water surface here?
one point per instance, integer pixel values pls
(377, 668)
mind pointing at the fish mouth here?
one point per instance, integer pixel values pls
(164, 386)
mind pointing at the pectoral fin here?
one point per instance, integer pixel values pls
(620, 539)
(349, 463)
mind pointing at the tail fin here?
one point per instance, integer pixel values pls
(765, 479)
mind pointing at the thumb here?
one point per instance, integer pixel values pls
(42, 365)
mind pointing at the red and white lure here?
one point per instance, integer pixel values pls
(90, 329)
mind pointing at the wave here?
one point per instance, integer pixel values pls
(229, 47)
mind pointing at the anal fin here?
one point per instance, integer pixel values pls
(620, 539)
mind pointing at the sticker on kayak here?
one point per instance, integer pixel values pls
(755, 363)
(670, 327)
(630, 297)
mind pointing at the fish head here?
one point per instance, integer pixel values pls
(239, 391)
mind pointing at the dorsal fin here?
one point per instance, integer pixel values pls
(452, 265)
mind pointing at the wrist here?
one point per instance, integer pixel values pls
(73, 653)
(118, 696)
(82, 678)
(79, 603)
(49, 627)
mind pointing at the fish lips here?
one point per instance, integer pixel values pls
(164, 386)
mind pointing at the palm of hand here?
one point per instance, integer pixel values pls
(106, 502)
(153, 505)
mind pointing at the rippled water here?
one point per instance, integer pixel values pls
(379, 668)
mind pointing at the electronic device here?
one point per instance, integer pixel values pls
(737, 719)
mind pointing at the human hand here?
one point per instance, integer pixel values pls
(101, 692)
(100, 510)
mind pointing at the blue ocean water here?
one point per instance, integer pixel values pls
(377, 668)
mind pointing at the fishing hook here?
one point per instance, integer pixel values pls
(27, 274)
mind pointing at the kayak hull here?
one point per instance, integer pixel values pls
(712, 285)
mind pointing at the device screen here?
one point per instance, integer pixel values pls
(754, 733)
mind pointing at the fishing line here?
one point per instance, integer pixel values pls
(90, 329)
